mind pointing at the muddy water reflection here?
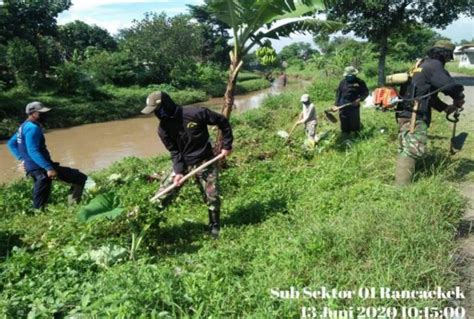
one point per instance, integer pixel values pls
(94, 146)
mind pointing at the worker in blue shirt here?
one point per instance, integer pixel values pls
(28, 145)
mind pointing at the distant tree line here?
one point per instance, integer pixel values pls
(37, 53)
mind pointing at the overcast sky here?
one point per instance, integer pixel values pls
(117, 14)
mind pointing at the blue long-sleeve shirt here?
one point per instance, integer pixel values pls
(29, 145)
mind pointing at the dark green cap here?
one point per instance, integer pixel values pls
(445, 44)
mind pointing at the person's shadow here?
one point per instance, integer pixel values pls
(7, 242)
(186, 237)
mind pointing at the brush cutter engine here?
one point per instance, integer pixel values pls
(386, 97)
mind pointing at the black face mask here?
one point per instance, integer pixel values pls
(161, 113)
(43, 118)
(350, 78)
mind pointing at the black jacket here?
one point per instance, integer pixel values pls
(428, 77)
(187, 138)
(351, 91)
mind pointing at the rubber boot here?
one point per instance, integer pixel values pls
(214, 223)
(405, 167)
(76, 194)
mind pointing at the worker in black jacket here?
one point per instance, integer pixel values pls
(184, 133)
(351, 90)
(427, 77)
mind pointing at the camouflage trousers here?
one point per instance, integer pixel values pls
(207, 180)
(412, 145)
(310, 129)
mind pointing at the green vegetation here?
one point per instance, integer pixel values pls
(394, 22)
(328, 217)
(255, 23)
(292, 217)
(89, 76)
(454, 67)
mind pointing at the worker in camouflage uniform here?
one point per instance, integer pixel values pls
(427, 77)
(184, 132)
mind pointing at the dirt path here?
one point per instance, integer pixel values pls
(466, 242)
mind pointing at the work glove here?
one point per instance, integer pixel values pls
(458, 103)
(450, 109)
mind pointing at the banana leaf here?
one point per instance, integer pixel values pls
(102, 206)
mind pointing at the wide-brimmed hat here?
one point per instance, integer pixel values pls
(350, 70)
(36, 107)
(444, 44)
(152, 102)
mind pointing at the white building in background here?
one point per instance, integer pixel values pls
(465, 55)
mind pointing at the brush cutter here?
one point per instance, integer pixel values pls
(457, 142)
(330, 117)
(186, 177)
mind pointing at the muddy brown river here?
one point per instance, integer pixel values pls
(92, 147)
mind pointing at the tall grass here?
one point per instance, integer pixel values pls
(454, 67)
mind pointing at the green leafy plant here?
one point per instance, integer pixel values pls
(102, 206)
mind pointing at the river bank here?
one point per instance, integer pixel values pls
(95, 146)
(109, 103)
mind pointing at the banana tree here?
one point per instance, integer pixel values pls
(253, 21)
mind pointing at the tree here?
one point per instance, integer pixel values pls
(215, 47)
(414, 44)
(465, 41)
(78, 36)
(378, 20)
(162, 44)
(252, 22)
(32, 21)
(23, 60)
(297, 50)
(116, 68)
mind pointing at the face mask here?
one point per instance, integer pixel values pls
(43, 118)
(161, 113)
(350, 78)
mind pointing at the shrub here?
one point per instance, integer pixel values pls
(183, 74)
(70, 79)
(116, 68)
(252, 85)
(324, 88)
(212, 79)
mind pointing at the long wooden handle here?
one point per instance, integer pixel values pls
(413, 116)
(340, 107)
(294, 126)
(187, 176)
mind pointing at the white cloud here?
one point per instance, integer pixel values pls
(459, 29)
(84, 5)
(114, 15)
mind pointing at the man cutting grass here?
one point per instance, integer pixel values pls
(184, 133)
